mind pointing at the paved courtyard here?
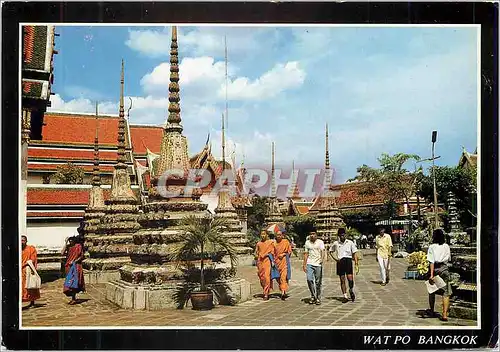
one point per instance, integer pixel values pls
(393, 305)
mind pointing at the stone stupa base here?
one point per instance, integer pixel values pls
(102, 270)
(163, 296)
(461, 309)
(100, 277)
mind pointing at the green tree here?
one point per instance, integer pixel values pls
(201, 237)
(460, 181)
(68, 174)
(256, 218)
(391, 179)
(299, 227)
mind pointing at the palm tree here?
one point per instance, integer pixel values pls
(202, 235)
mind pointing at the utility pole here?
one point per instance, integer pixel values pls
(434, 139)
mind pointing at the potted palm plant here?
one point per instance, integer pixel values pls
(202, 239)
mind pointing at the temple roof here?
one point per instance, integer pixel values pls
(146, 136)
(68, 154)
(70, 137)
(351, 195)
(61, 196)
(467, 159)
(37, 61)
(79, 129)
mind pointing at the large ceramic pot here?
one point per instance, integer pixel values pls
(202, 300)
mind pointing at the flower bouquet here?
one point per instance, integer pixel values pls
(418, 262)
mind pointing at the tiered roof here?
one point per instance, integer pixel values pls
(37, 64)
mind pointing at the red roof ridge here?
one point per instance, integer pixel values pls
(41, 142)
(132, 125)
(80, 114)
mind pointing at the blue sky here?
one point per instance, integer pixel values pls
(379, 89)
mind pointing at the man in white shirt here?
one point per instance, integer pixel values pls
(314, 256)
(344, 253)
(383, 244)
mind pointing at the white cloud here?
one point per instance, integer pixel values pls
(200, 75)
(280, 78)
(202, 78)
(80, 105)
(149, 42)
(199, 41)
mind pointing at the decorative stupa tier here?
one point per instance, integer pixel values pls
(151, 280)
(96, 208)
(170, 199)
(329, 218)
(235, 235)
(274, 214)
(109, 248)
(226, 210)
(463, 267)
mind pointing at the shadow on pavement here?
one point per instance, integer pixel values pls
(425, 313)
(378, 282)
(340, 299)
(306, 300)
(81, 300)
(36, 305)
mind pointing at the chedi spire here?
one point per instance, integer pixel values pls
(174, 109)
(121, 126)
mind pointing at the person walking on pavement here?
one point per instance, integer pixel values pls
(282, 253)
(29, 261)
(383, 245)
(363, 241)
(314, 256)
(262, 250)
(345, 253)
(439, 257)
(74, 283)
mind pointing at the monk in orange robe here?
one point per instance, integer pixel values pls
(28, 253)
(264, 247)
(282, 249)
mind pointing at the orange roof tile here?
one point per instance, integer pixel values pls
(350, 195)
(151, 136)
(61, 196)
(79, 129)
(302, 209)
(67, 154)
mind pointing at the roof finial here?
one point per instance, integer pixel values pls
(328, 176)
(208, 139)
(174, 117)
(121, 123)
(96, 178)
(273, 183)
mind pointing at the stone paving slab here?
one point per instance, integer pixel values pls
(393, 305)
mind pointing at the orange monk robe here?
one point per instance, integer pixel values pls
(264, 264)
(29, 253)
(281, 249)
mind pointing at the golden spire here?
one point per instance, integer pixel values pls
(174, 117)
(294, 192)
(96, 178)
(121, 125)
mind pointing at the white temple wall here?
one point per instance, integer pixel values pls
(51, 235)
